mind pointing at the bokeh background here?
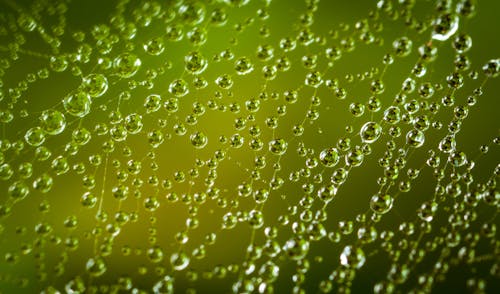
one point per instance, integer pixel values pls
(32, 270)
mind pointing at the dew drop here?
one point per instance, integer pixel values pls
(370, 132)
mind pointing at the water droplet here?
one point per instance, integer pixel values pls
(95, 85)
(352, 257)
(199, 140)
(178, 88)
(155, 254)
(154, 46)
(35, 136)
(402, 46)
(96, 266)
(126, 65)
(278, 146)
(381, 203)
(415, 138)
(370, 132)
(296, 248)
(152, 103)
(52, 122)
(329, 157)
(195, 63)
(18, 190)
(445, 26)
(243, 66)
(179, 261)
(314, 79)
(78, 104)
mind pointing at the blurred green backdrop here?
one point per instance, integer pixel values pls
(33, 261)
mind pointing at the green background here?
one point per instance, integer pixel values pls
(480, 127)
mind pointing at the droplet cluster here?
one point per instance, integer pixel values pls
(247, 146)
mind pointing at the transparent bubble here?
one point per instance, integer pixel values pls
(174, 32)
(96, 267)
(261, 195)
(370, 132)
(197, 36)
(120, 192)
(305, 37)
(265, 52)
(154, 46)
(415, 138)
(199, 140)
(118, 133)
(166, 285)
(35, 136)
(427, 210)
(329, 157)
(447, 144)
(269, 271)
(151, 203)
(58, 63)
(95, 85)
(381, 203)
(392, 115)
(455, 80)
(310, 61)
(402, 46)
(88, 200)
(229, 221)
(179, 261)
(354, 157)
(18, 190)
(283, 64)
(314, 79)
(192, 13)
(76, 285)
(296, 248)
(333, 53)
(357, 109)
(81, 136)
(445, 26)
(278, 146)
(492, 68)
(427, 52)
(256, 219)
(224, 81)
(126, 65)
(43, 183)
(195, 62)
(218, 17)
(288, 44)
(243, 66)
(457, 158)
(52, 122)
(327, 193)
(78, 104)
(42, 153)
(178, 88)
(377, 86)
(352, 257)
(133, 123)
(227, 54)
(462, 43)
(269, 72)
(25, 170)
(426, 90)
(155, 254)
(152, 103)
